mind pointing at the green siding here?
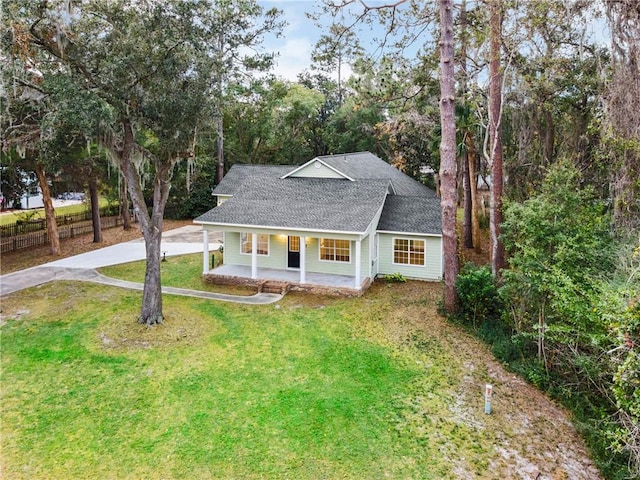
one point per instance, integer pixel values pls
(433, 256)
(232, 250)
(314, 264)
(277, 257)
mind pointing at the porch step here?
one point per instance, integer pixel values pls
(275, 287)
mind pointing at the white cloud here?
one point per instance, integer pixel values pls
(294, 57)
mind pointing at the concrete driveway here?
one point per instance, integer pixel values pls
(180, 241)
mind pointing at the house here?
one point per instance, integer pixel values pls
(331, 225)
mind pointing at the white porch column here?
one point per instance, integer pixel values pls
(254, 256)
(303, 259)
(205, 250)
(358, 280)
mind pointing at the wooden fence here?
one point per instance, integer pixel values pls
(22, 226)
(66, 229)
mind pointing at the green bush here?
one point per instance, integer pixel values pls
(395, 278)
(478, 295)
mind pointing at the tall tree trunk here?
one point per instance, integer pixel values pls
(475, 207)
(549, 136)
(95, 209)
(467, 230)
(220, 142)
(151, 225)
(49, 212)
(467, 203)
(622, 112)
(219, 120)
(495, 136)
(124, 204)
(448, 164)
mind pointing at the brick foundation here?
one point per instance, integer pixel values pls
(258, 284)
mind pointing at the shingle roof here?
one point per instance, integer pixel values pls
(261, 197)
(367, 166)
(237, 174)
(302, 203)
(411, 214)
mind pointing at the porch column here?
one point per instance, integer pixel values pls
(358, 264)
(205, 250)
(303, 259)
(254, 256)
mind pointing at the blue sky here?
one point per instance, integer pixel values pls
(297, 39)
(301, 34)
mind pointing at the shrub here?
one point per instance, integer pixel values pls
(395, 277)
(478, 294)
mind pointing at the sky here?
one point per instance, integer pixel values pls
(301, 34)
(298, 37)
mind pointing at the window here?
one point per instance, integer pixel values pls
(294, 244)
(333, 250)
(407, 251)
(247, 238)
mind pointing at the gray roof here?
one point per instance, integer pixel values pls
(302, 203)
(261, 197)
(367, 166)
(237, 174)
(411, 215)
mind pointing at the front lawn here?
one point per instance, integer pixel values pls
(311, 387)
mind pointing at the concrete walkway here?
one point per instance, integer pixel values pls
(179, 241)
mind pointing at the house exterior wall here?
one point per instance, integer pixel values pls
(317, 170)
(432, 270)
(277, 257)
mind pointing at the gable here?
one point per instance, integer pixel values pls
(317, 168)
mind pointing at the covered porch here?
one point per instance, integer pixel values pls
(266, 255)
(322, 283)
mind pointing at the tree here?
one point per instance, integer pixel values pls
(238, 27)
(448, 163)
(397, 18)
(332, 51)
(69, 145)
(154, 64)
(623, 111)
(495, 136)
(27, 119)
(559, 245)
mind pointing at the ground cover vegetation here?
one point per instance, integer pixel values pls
(566, 313)
(311, 387)
(535, 77)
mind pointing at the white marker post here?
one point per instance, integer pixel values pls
(488, 390)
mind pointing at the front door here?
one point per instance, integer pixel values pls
(293, 256)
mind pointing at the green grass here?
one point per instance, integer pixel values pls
(36, 213)
(219, 391)
(183, 271)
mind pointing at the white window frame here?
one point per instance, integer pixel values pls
(409, 252)
(320, 247)
(246, 238)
